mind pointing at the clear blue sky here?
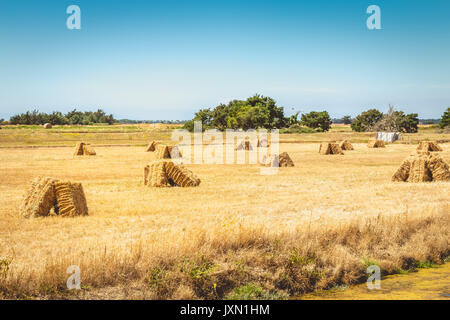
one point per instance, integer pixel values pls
(166, 59)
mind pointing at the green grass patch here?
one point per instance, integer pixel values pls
(252, 291)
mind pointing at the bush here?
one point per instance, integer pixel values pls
(255, 112)
(445, 120)
(317, 120)
(57, 118)
(397, 121)
(366, 120)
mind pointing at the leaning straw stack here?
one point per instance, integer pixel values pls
(152, 146)
(346, 145)
(428, 146)
(39, 199)
(285, 161)
(181, 176)
(67, 198)
(423, 167)
(262, 143)
(330, 148)
(244, 145)
(162, 151)
(79, 149)
(325, 148)
(164, 173)
(88, 150)
(70, 199)
(282, 160)
(418, 171)
(155, 174)
(402, 173)
(83, 149)
(438, 167)
(376, 144)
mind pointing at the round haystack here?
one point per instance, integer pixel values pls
(48, 126)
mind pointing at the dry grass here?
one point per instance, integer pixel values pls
(324, 220)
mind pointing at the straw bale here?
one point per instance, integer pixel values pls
(39, 199)
(181, 176)
(70, 199)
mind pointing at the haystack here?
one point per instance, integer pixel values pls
(263, 143)
(428, 146)
(39, 199)
(330, 148)
(84, 149)
(152, 146)
(70, 199)
(376, 144)
(244, 145)
(162, 151)
(282, 160)
(47, 126)
(67, 198)
(155, 174)
(164, 173)
(346, 145)
(181, 176)
(423, 167)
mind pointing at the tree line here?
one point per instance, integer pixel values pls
(57, 118)
(263, 112)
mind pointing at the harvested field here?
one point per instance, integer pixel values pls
(228, 227)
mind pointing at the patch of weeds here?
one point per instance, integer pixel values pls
(339, 287)
(155, 277)
(447, 259)
(370, 262)
(426, 265)
(254, 292)
(197, 269)
(296, 259)
(86, 287)
(4, 267)
(401, 271)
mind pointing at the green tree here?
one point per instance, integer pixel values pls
(317, 120)
(397, 121)
(346, 119)
(366, 120)
(255, 112)
(445, 120)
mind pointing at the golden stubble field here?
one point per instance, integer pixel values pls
(299, 230)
